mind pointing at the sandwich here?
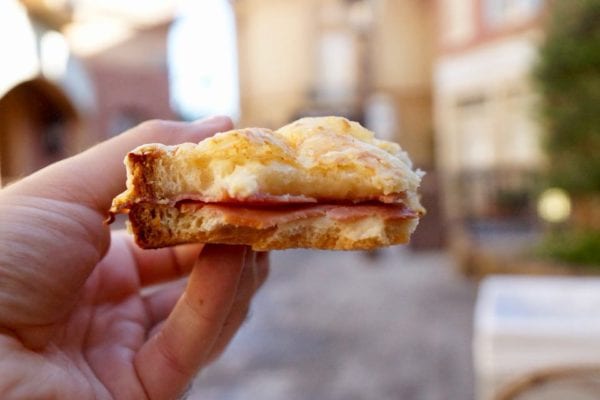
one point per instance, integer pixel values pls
(323, 183)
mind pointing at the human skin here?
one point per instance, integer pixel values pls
(81, 316)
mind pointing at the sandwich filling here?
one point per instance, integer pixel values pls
(268, 211)
(261, 217)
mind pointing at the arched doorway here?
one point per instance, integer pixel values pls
(38, 126)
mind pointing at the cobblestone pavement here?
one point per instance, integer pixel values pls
(345, 326)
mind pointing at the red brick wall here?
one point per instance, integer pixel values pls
(131, 82)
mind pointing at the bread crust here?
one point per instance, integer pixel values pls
(157, 226)
(310, 160)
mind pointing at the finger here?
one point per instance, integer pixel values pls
(253, 277)
(159, 303)
(132, 267)
(159, 265)
(263, 261)
(155, 329)
(168, 360)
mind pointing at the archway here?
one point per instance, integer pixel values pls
(38, 126)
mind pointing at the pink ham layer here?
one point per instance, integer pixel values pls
(263, 218)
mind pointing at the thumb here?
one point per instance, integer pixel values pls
(52, 235)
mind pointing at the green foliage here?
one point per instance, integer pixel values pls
(580, 248)
(568, 76)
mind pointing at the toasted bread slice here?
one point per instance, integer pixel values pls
(317, 176)
(162, 225)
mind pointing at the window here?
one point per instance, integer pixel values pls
(497, 13)
(337, 70)
(458, 20)
(476, 133)
(123, 120)
(53, 138)
(521, 144)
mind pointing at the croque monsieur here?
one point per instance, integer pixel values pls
(324, 183)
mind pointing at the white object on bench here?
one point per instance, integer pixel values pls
(526, 323)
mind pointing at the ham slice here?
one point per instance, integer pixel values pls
(263, 218)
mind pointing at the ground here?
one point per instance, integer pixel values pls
(344, 326)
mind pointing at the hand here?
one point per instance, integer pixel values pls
(76, 321)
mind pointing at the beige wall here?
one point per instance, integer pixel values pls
(278, 65)
(276, 58)
(498, 75)
(457, 21)
(485, 114)
(403, 46)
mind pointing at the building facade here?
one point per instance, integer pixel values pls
(68, 85)
(487, 132)
(314, 57)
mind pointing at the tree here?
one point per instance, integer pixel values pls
(568, 76)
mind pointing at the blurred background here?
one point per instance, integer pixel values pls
(497, 100)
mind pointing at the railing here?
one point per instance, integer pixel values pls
(499, 194)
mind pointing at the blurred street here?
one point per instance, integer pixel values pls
(346, 326)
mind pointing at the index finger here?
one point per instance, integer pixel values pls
(168, 360)
(97, 175)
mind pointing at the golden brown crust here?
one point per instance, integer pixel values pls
(161, 225)
(312, 159)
